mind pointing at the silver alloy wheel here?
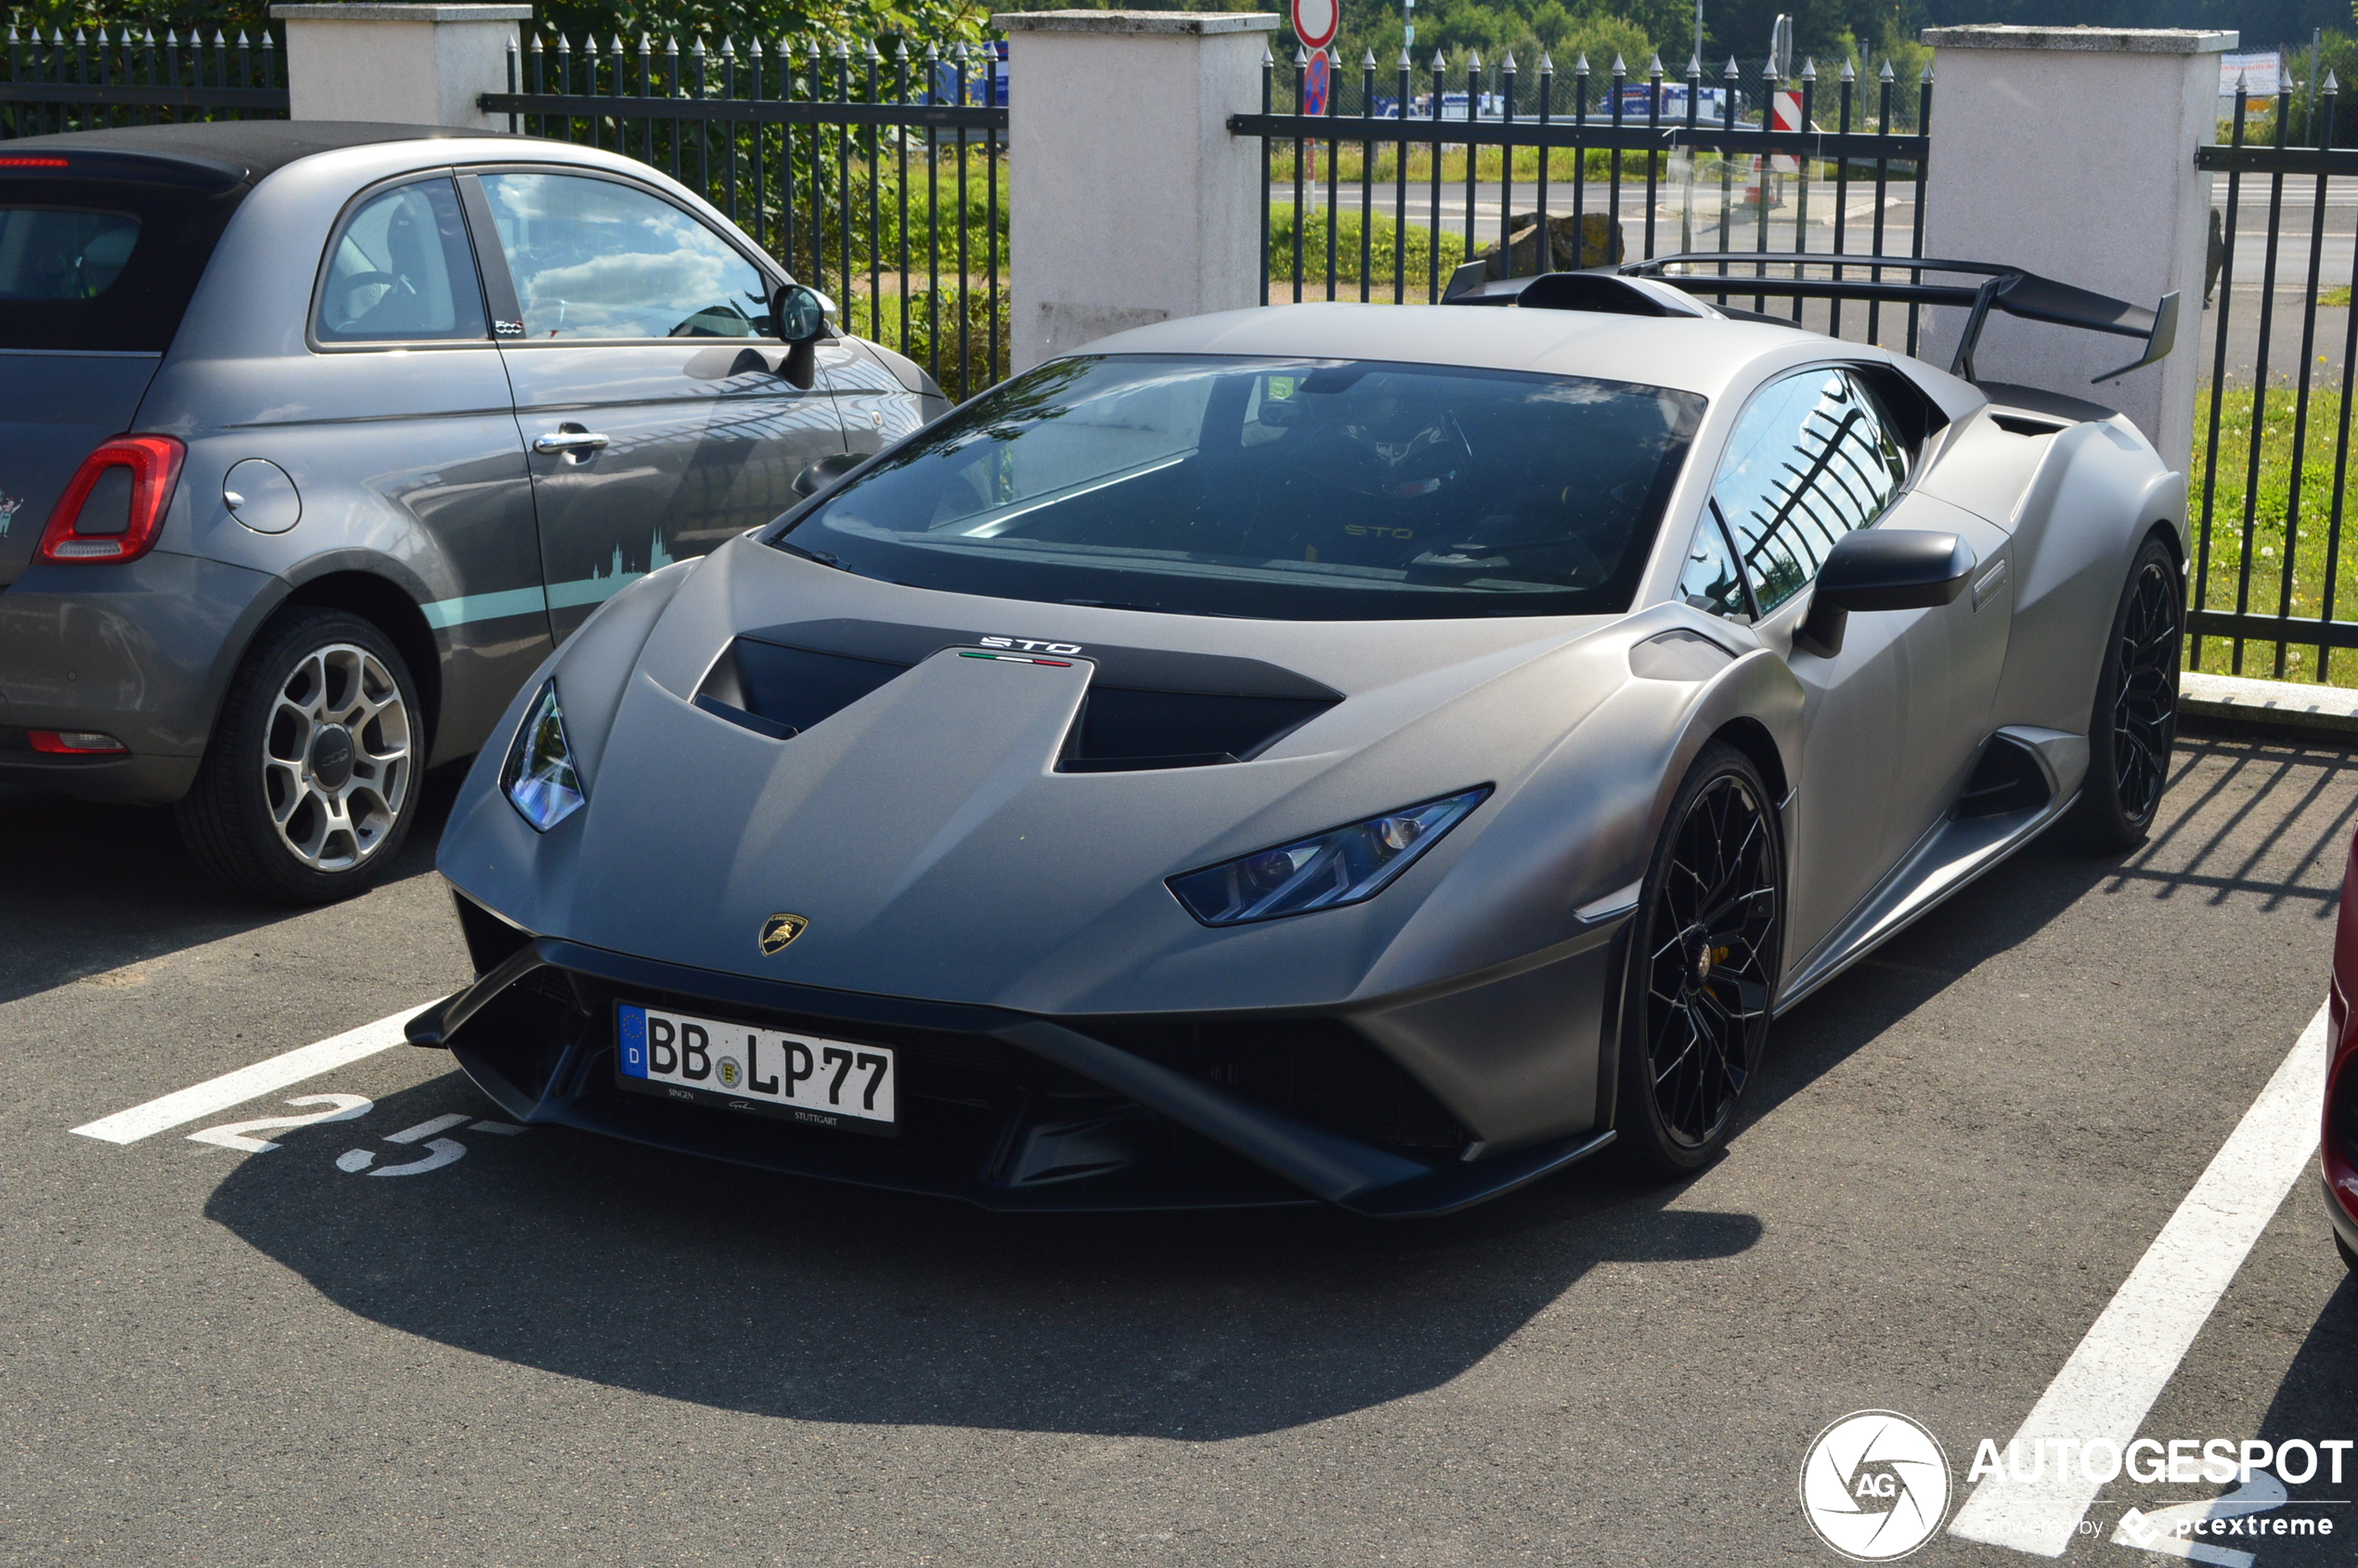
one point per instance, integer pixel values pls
(336, 763)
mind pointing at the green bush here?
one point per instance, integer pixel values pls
(1348, 227)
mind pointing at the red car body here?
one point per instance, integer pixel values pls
(2340, 1143)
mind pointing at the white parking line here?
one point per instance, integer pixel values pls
(2132, 1351)
(236, 1088)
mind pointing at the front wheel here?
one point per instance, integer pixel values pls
(2135, 722)
(1705, 951)
(310, 780)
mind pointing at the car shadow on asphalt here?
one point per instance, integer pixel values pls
(2261, 822)
(771, 1295)
(2314, 1403)
(749, 1291)
(112, 885)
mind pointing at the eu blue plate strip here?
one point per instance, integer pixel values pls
(634, 1040)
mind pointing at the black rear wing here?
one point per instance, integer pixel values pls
(1810, 277)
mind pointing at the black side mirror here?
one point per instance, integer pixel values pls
(826, 471)
(798, 315)
(1882, 569)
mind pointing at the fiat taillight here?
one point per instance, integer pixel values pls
(113, 506)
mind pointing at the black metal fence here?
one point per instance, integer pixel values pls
(2271, 575)
(93, 79)
(877, 179)
(1382, 190)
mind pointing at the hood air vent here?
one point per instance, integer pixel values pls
(1147, 708)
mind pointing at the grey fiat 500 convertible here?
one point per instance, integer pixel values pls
(314, 439)
(1370, 753)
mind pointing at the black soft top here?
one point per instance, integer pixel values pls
(182, 184)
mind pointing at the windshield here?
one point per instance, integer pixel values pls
(1274, 489)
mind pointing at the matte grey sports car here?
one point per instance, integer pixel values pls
(1372, 754)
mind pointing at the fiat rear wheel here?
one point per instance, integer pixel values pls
(310, 782)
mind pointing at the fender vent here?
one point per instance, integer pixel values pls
(2007, 779)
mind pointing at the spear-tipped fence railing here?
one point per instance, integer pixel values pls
(1647, 167)
(95, 78)
(2272, 576)
(874, 178)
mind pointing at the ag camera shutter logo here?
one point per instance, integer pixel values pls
(1875, 1485)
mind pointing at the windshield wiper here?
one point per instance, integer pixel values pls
(1152, 609)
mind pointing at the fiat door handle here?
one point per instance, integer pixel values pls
(571, 440)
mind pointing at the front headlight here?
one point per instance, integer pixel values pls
(539, 776)
(1344, 865)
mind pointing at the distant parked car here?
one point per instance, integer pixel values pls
(316, 438)
(2340, 1143)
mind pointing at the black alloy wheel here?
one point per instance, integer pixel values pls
(2134, 727)
(1705, 952)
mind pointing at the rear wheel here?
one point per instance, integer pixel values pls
(2348, 1258)
(1702, 967)
(310, 782)
(2135, 721)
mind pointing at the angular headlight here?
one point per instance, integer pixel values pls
(539, 776)
(1343, 865)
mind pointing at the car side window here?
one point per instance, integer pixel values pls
(598, 259)
(1814, 457)
(400, 270)
(1711, 581)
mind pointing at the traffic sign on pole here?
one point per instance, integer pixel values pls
(1315, 22)
(1317, 78)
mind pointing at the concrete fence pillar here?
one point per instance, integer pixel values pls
(2070, 152)
(1130, 202)
(400, 64)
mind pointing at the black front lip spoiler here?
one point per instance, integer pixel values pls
(1340, 1171)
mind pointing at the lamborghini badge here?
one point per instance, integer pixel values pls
(781, 929)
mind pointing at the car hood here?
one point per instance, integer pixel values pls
(924, 832)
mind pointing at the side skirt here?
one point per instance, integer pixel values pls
(1961, 847)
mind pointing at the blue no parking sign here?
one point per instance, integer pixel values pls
(1316, 79)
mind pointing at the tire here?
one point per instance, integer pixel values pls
(1706, 946)
(311, 777)
(2135, 725)
(2348, 1258)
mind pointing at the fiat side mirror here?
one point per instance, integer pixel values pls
(799, 316)
(1882, 569)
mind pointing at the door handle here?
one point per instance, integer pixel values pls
(571, 440)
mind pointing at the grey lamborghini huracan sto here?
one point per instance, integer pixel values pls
(1367, 753)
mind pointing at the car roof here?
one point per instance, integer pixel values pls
(1687, 353)
(257, 147)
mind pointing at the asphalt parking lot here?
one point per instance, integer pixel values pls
(547, 1349)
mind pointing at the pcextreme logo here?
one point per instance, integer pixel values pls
(1875, 1485)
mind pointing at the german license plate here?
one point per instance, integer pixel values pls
(800, 1078)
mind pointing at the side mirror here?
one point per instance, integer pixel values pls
(820, 475)
(1882, 569)
(798, 315)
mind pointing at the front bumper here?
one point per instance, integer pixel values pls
(1003, 1109)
